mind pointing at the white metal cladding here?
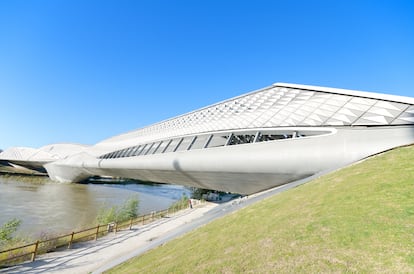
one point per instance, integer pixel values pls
(284, 106)
(45, 153)
(26, 154)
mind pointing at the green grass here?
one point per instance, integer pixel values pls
(358, 219)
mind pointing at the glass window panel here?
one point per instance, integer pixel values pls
(147, 148)
(218, 140)
(129, 152)
(237, 139)
(200, 142)
(272, 136)
(185, 143)
(173, 145)
(164, 146)
(135, 150)
(139, 151)
(160, 147)
(153, 148)
(123, 152)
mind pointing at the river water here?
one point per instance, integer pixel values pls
(47, 207)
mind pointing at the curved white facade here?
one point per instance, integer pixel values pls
(252, 142)
(245, 144)
(31, 160)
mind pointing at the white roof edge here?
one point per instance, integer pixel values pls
(184, 114)
(365, 94)
(64, 144)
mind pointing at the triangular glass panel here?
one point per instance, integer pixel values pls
(344, 118)
(363, 101)
(324, 113)
(379, 120)
(307, 108)
(310, 122)
(391, 105)
(356, 106)
(384, 112)
(406, 114)
(410, 109)
(403, 121)
(348, 112)
(329, 107)
(334, 122)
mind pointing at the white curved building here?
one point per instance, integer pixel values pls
(252, 142)
(28, 160)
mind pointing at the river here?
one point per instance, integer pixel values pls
(47, 207)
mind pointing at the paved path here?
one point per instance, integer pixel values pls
(114, 249)
(89, 256)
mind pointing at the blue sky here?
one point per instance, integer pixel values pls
(83, 71)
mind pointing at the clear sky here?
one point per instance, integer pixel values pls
(83, 71)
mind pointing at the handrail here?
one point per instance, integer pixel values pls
(39, 246)
(15, 248)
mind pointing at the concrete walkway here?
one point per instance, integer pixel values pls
(89, 256)
(113, 249)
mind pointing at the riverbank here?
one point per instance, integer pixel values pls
(110, 251)
(91, 256)
(49, 208)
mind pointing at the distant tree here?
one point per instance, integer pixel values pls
(197, 193)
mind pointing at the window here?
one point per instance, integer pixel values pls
(139, 151)
(200, 142)
(153, 148)
(164, 146)
(173, 145)
(147, 148)
(218, 140)
(211, 140)
(241, 139)
(134, 151)
(268, 136)
(128, 151)
(185, 143)
(123, 152)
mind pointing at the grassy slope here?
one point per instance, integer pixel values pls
(360, 218)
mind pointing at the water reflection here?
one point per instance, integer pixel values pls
(46, 206)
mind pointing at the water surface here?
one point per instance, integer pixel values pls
(48, 207)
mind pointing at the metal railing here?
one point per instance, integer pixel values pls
(29, 252)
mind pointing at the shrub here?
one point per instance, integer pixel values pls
(128, 210)
(123, 213)
(7, 230)
(180, 204)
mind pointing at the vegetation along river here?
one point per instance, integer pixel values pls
(48, 207)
